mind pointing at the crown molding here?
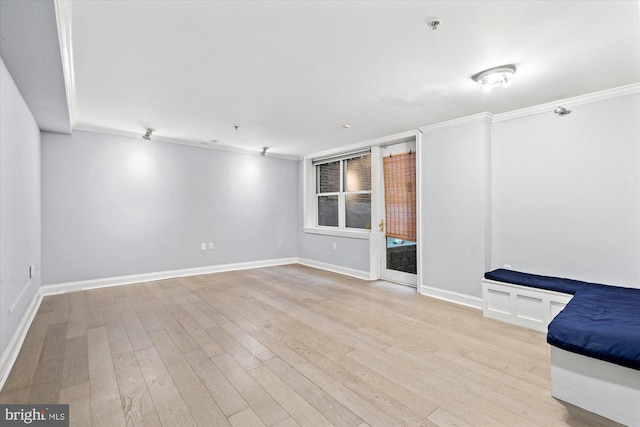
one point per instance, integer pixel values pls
(536, 109)
(390, 139)
(569, 102)
(480, 117)
(65, 38)
(180, 141)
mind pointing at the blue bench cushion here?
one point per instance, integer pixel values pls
(601, 323)
(567, 286)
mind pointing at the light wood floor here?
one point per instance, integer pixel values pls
(282, 346)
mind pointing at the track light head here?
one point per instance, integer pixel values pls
(147, 134)
(561, 111)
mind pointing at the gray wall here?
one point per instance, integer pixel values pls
(350, 253)
(454, 196)
(19, 206)
(117, 206)
(566, 192)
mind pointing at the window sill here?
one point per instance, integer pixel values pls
(365, 234)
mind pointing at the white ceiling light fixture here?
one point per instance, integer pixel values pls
(147, 134)
(496, 76)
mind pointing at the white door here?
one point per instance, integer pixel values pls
(399, 246)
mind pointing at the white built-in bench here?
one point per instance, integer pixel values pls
(521, 305)
(593, 330)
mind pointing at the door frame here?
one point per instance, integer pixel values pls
(377, 252)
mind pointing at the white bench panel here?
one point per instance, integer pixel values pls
(530, 308)
(521, 305)
(601, 387)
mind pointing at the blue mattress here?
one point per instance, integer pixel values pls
(600, 321)
(567, 286)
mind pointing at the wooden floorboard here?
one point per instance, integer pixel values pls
(282, 346)
(137, 404)
(106, 407)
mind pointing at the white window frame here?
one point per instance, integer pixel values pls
(310, 197)
(342, 193)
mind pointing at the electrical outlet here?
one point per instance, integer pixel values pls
(203, 246)
(335, 246)
(32, 271)
(210, 245)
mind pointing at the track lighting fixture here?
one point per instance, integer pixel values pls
(561, 111)
(264, 151)
(147, 134)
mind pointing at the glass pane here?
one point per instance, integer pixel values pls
(328, 211)
(358, 174)
(401, 255)
(358, 210)
(328, 177)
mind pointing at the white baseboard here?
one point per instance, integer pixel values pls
(10, 354)
(146, 277)
(441, 294)
(358, 274)
(451, 296)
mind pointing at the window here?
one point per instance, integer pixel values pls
(343, 192)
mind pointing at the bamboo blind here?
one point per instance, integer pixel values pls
(400, 195)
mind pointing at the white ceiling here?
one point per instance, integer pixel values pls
(290, 74)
